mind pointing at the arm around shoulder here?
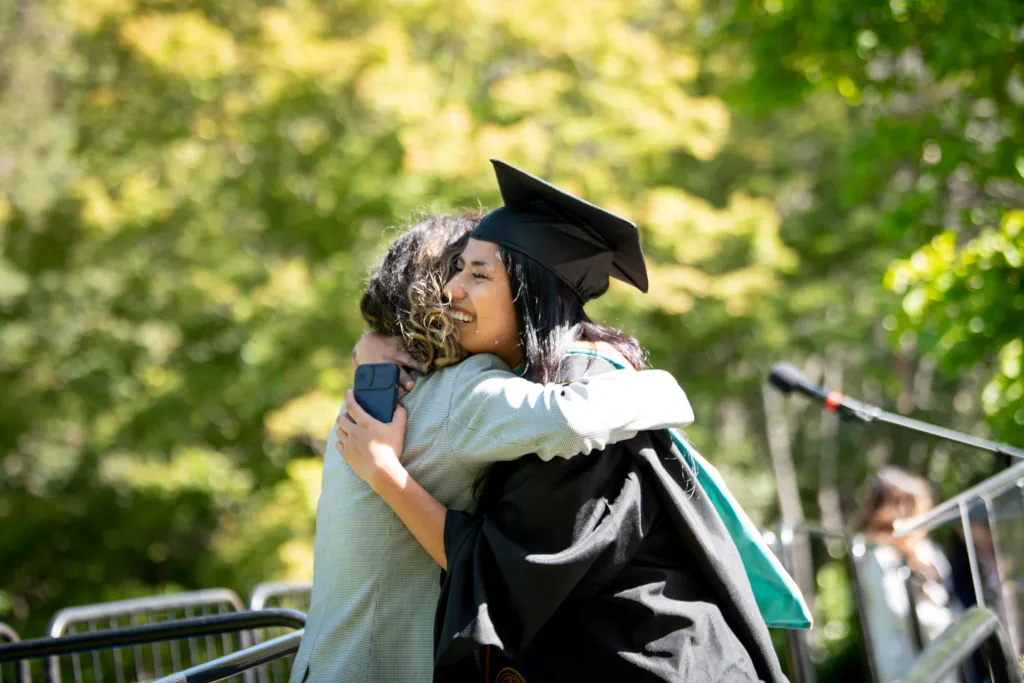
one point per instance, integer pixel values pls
(493, 415)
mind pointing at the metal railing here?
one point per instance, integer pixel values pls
(256, 657)
(151, 661)
(101, 643)
(287, 594)
(977, 629)
(19, 670)
(277, 594)
(856, 549)
(163, 637)
(1010, 478)
(991, 517)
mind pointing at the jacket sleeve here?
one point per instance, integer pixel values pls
(493, 415)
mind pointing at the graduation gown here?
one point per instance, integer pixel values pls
(610, 566)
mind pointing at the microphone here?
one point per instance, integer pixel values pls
(787, 378)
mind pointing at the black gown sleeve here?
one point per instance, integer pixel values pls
(558, 529)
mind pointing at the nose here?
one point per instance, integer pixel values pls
(454, 289)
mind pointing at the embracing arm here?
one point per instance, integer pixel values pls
(493, 415)
(557, 525)
(371, 448)
(374, 347)
(421, 513)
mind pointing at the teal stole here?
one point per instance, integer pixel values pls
(777, 595)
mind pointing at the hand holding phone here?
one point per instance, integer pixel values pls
(374, 347)
(376, 389)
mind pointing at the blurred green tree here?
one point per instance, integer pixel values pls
(178, 287)
(190, 193)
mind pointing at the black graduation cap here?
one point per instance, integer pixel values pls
(581, 243)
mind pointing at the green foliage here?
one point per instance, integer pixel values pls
(936, 123)
(178, 294)
(190, 194)
(966, 304)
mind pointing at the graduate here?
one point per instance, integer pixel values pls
(609, 567)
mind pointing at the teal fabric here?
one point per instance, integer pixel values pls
(778, 597)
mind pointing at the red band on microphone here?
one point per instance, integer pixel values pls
(833, 400)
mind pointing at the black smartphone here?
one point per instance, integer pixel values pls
(376, 389)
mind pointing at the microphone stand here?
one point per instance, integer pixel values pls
(866, 413)
(787, 378)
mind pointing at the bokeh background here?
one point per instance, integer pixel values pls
(191, 193)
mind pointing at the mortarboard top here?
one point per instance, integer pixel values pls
(581, 243)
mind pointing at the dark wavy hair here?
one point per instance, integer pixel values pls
(404, 291)
(550, 317)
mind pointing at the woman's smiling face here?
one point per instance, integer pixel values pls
(481, 303)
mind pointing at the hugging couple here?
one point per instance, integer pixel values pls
(530, 513)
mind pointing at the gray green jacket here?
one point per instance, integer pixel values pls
(374, 588)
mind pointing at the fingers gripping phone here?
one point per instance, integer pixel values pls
(376, 389)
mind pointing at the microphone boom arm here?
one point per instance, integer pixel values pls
(787, 378)
(873, 414)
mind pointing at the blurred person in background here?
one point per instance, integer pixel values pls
(374, 588)
(893, 494)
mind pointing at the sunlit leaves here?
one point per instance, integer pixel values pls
(185, 229)
(88, 15)
(524, 93)
(13, 284)
(185, 44)
(292, 43)
(966, 302)
(195, 469)
(37, 135)
(443, 146)
(305, 417)
(274, 531)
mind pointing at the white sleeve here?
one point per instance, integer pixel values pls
(496, 416)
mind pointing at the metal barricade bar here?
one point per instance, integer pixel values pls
(801, 667)
(977, 628)
(277, 594)
(239, 662)
(203, 598)
(22, 672)
(138, 661)
(224, 625)
(38, 648)
(948, 510)
(962, 508)
(266, 594)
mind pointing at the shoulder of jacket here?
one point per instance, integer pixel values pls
(481, 362)
(452, 381)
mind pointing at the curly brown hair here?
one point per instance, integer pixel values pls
(404, 291)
